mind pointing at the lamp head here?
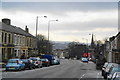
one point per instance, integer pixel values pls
(45, 16)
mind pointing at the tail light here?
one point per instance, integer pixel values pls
(45, 61)
(17, 61)
(28, 61)
(36, 62)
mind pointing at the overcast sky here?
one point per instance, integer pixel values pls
(76, 20)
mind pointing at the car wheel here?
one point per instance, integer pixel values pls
(102, 72)
(34, 67)
(19, 69)
(105, 77)
(38, 66)
(6, 70)
(23, 69)
(41, 66)
(30, 68)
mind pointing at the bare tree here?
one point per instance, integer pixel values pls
(75, 49)
(43, 44)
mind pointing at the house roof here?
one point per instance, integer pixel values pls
(118, 34)
(14, 29)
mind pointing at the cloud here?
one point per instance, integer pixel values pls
(76, 20)
(59, 6)
(60, 1)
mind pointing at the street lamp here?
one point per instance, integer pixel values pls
(49, 34)
(37, 22)
(94, 36)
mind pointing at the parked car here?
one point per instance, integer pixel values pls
(45, 62)
(115, 68)
(84, 59)
(104, 68)
(107, 70)
(116, 76)
(37, 62)
(49, 57)
(29, 63)
(15, 64)
(56, 61)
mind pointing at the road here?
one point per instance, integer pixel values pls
(68, 69)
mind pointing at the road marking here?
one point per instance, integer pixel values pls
(98, 75)
(81, 76)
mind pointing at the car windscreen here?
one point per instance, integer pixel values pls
(84, 58)
(12, 61)
(43, 59)
(109, 65)
(34, 59)
(25, 60)
(115, 70)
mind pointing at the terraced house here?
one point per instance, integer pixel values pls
(14, 41)
(113, 49)
(116, 49)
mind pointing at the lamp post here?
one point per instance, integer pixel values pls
(37, 22)
(49, 34)
(94, 36)
(37, 28)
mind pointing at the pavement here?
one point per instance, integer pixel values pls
(68, 69)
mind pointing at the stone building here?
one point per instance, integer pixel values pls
(15, 41)
(116, 49)
(113, 49)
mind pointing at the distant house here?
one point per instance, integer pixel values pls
(15, 41)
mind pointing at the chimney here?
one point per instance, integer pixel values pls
(26, 29)
(6, 21)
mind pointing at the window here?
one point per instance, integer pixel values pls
(2, 37)
(5, 38)
(16, 54)
(117, 57)
(9, 38)
(15, 39)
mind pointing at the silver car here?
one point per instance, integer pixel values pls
(37, 62)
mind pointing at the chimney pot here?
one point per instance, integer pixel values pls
(6, 21)
(26, 29)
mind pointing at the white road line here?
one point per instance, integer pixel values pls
(81, 76)
(98, 75)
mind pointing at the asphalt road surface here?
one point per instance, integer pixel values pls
(68, 69)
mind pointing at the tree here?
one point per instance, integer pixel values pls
(75, 49)
(43, 44)
(41, 37)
